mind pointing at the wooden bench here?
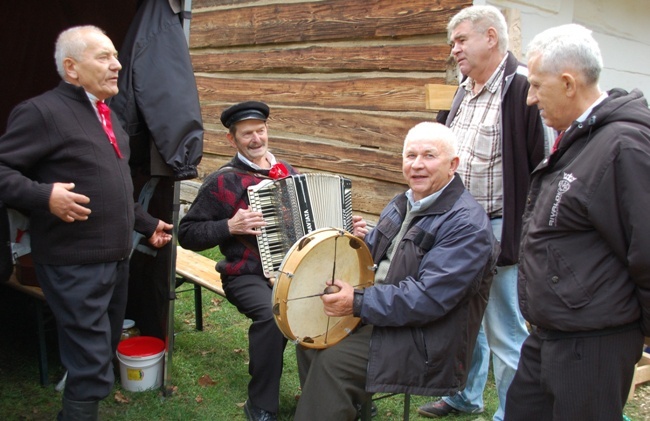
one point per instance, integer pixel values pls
(198, 270)
(39, 303)
(641, 371)
(190, 267)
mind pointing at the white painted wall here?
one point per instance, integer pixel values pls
(621, 28)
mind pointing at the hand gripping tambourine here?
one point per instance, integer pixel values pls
(312, 262)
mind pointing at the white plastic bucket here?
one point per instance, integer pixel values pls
(141, 363)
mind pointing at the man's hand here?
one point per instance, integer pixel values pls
(339, 304)
(66, 205)
(359, 227)
(245, 221)
(160, 237)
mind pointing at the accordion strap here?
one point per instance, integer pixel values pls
(247, 244)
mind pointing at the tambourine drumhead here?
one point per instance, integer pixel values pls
(311, 263)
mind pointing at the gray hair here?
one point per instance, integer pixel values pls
(482, 18)
(433, 131)
(567, 47)
(71, 44)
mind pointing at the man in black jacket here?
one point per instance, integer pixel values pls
(584, 273)
(66, 164)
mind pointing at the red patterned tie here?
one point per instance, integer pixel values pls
(557, 141)
(105, 117)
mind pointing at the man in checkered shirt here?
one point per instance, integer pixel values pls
(500, 141)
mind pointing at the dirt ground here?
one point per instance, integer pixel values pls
(638, 409)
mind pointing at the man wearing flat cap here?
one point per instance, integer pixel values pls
(220, 216)
(249, 110)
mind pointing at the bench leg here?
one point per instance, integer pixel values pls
(366, 408)
(42, 348)
(198, 307)
(366, 411)
(407, 406)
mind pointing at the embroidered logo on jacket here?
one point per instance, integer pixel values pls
(562, 187)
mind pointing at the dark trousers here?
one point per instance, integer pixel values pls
(333, 380)
(88, 303)
(573, 378)
(251, 294)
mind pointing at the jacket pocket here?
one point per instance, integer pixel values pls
(431, 347)
(562, 280)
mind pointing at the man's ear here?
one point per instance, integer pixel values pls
(569, 83)
(231, 139)
(493, 37)
(455, 161)
(70, 68)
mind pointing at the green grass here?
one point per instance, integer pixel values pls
(219, 353)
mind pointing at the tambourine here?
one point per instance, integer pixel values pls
(314, 260)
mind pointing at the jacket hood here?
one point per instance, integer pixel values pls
(620, 106)
(624, 107)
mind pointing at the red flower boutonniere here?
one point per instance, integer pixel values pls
(278, 171)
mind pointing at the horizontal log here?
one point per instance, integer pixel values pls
(368, 129)
(428, 57)
(210, 163)
(364, 92)
(265, 23)
(332, 157)
(369, 197)
(211, 4)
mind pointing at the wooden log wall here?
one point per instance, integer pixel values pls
(345, 80)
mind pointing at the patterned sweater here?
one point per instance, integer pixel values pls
(206, 223)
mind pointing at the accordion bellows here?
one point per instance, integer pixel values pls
(295, 206)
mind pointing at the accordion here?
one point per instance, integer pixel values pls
(295, 206)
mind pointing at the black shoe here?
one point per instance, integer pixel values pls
(438, 408)
(80, 411)
(254, 413)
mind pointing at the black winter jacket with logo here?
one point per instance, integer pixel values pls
(585, 249)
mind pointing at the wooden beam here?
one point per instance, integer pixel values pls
(362, 92)
(381, 130)
(429, 57)
(335, 157)
(439, 96)
(308, 21)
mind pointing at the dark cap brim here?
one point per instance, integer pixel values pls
(245, 115)
(249, 110)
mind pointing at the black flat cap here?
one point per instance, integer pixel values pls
(249, 110)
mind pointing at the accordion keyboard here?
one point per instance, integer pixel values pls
(295, 206)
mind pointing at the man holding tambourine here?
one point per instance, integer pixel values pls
(435, 255)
